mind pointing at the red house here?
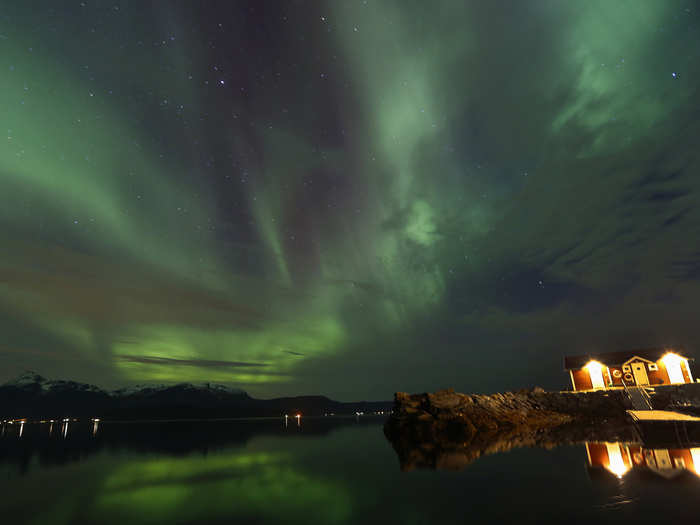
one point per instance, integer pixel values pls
(643, 367)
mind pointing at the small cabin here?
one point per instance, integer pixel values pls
(647, 367)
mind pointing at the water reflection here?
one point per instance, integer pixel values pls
(417, 448)
(612, 450)
(269, 486)
(12, 426)
(36, 444)
(169, 472)
(327, 470)
(620, 459)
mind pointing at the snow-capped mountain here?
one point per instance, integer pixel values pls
(32, 381)
(154, 388)
(32, 395)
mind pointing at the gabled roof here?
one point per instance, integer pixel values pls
(618, 358)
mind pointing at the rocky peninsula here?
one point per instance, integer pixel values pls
(446, 429)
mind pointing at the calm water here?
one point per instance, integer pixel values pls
(327, 470)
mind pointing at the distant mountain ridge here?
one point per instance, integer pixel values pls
(33, 396)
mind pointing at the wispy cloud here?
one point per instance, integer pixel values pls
(204, 363)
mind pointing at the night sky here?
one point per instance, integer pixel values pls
(347, 198)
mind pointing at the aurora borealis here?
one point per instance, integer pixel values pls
(347, 198)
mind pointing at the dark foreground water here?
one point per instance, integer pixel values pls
(327, 470)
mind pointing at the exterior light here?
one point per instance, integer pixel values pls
(672, 362)
(595, 371)
(594, 365)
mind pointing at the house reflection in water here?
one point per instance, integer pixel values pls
(619, 459)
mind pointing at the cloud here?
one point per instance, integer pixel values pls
(202, 363)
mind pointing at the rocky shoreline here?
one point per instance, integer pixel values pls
(446, 429)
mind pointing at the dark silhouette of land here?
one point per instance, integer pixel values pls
(35, 397)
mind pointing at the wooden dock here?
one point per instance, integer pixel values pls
(660, 415)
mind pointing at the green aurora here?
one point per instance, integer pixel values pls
(350, 198)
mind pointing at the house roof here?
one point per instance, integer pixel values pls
(617, 358)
